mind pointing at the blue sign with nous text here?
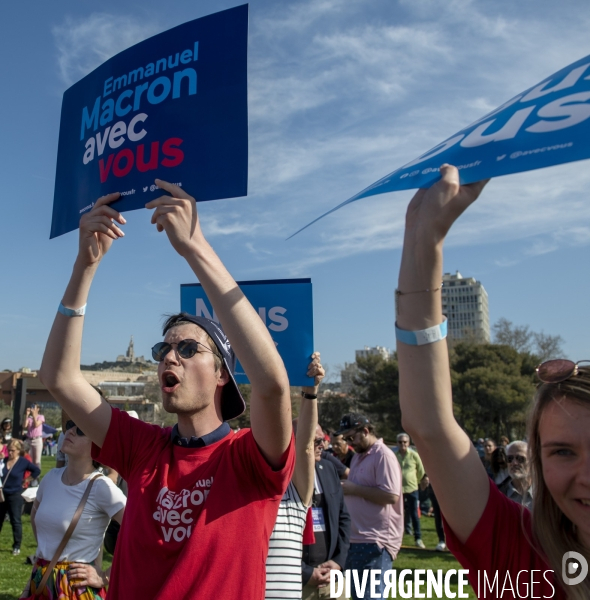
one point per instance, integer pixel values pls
(284, 305)
(548, 124)
(172, 107)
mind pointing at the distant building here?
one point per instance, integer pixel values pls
(123, 390)
(347, 376)
(385, 353)
(129, 356)
(351, 370)
(465, 304)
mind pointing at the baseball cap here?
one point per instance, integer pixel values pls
(232, 403)
(351, 421)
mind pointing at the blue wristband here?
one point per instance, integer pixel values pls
(422, 337)
(71, 312)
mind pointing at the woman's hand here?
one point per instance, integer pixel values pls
(98, 229)
(432, 212)
(82, 575)
(317, 371)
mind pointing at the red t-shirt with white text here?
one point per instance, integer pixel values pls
(500, 547)
(197, 520)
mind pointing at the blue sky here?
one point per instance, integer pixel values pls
(341, 92)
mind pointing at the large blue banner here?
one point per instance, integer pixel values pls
(173, 107)
(284, 305)
(548, 124)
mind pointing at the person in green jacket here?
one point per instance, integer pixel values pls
(412, 475)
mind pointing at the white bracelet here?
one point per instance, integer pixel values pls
(71, 312)
(423, 336)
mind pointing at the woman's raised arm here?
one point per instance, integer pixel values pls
(452, 464)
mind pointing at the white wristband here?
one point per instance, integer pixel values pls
(422, 337)
(72, 312)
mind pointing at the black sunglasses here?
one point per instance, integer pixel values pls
(318, 442)
(185, 349)
(71, 424)
(518, 458)
(350, 438)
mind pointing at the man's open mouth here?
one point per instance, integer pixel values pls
(169, 382)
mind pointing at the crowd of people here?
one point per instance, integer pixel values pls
(305, 503)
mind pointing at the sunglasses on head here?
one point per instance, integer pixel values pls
(516, 457)
(185, 349)
(70, 425)
(558, 370)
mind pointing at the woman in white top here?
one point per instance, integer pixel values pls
(75, 575)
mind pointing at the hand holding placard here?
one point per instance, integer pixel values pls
(98, 229)
(317, 371)
(431, 213)
(436, 210)
(177, 215)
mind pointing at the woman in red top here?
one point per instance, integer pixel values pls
(509, 552)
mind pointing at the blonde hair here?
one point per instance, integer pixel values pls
(554, 533)
(18, 444)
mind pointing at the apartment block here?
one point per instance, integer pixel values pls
(465, 304)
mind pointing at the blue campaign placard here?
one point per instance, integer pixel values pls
(172, 107)
(284, 305)
(547, 124)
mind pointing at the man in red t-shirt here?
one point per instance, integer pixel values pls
(202, 500)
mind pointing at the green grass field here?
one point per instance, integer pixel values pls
(14, 572)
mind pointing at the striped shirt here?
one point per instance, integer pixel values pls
(283, 565)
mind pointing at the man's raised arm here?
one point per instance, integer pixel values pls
(270, 402)
(60, 369)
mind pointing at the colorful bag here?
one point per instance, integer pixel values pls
(58, 585)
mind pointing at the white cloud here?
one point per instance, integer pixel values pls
(343, 92)
(351, 64)
(300, 16)
(361, 96)
(213, 227)
(84, 44)
(506, 262)
(158, 289)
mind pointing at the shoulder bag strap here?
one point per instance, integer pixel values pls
(8, 472)
(3, 482)
(67, 535)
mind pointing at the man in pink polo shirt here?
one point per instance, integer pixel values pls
(373, 495)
